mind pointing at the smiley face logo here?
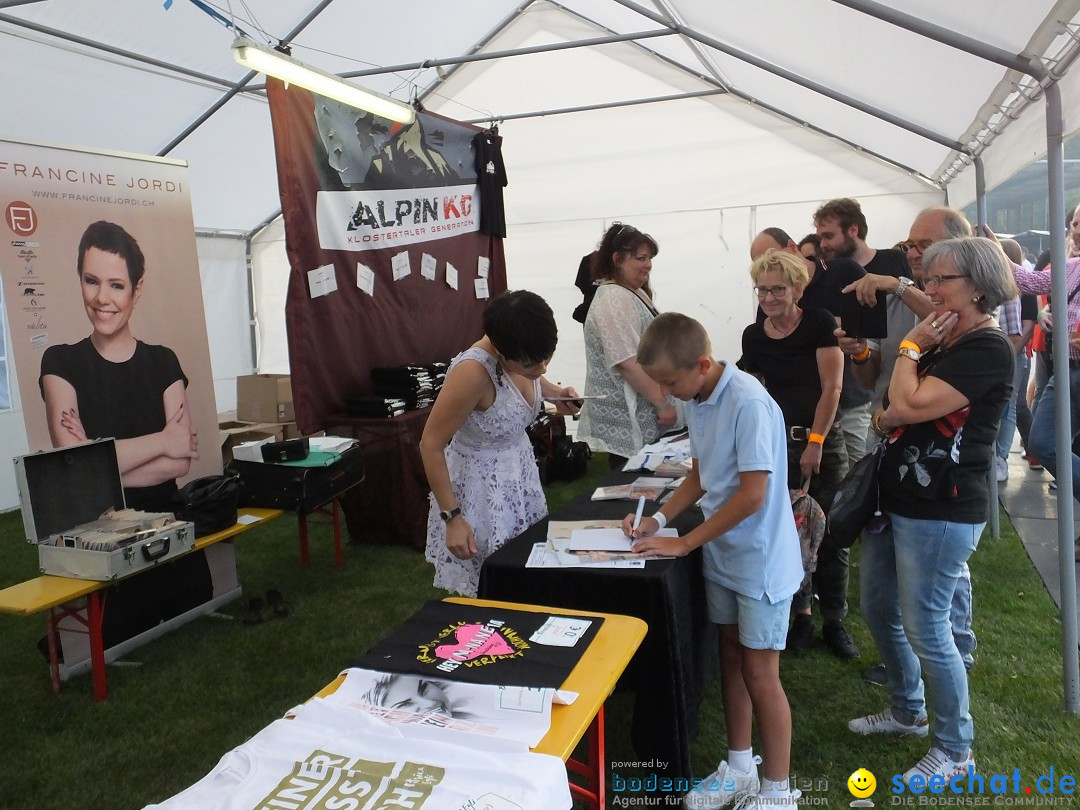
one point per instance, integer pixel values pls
(861, 783)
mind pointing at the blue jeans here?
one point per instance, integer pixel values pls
(1007, 426)
(910, 573)
(1041, 440)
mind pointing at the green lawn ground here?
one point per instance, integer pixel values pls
(214, 682)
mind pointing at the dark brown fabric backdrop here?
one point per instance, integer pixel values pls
(335, 340)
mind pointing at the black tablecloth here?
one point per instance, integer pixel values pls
(391, 506)
(673, 666)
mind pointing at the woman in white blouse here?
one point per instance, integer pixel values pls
(634, 411)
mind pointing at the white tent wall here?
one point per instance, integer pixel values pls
(224, 276)
(270, 281)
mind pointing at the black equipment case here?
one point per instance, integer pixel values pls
(297, 489)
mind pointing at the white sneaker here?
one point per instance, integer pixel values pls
(937, 763)
(755, 801)
(722, 787)
(1001, 467)
(885, 723)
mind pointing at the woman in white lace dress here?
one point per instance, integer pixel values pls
(634, 411)
(485, 487)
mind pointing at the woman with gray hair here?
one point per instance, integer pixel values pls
(952, 379)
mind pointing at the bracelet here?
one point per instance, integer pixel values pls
(909, 353)
(875, 423)
(902, 286)
(816, 438)
(659, 518)
(910, 344)
(862, 356)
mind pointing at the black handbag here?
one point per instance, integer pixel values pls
(210, 502)
(856, 501)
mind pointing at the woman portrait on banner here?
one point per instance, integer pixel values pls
(112, 385)
(479, 461)
(951, 382)
(632, 411)
(795, 354)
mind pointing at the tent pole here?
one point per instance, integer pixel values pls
(994, 515)
(1055, 170)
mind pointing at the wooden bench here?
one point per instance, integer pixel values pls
(59, 597)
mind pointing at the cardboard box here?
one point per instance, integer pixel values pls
(291, 431)
(234, 433)
(264, 398)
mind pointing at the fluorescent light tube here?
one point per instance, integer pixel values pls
(281, 66)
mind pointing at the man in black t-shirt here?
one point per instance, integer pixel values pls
(841, 228)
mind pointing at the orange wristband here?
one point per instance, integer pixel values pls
(861, 355)
(910, 344)
(816, 438)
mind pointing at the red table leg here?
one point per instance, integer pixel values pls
(335, 518)
(97, 646)
(304, 559)
(594, 768)
(51, 621)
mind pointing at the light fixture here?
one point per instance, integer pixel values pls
(274, 63)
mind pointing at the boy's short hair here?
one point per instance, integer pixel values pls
(675, 338)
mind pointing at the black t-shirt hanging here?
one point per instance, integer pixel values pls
(491, 177)
(485, 645)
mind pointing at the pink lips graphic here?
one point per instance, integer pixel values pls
(464, 651)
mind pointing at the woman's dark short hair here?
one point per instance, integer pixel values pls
(521, 326)
(111, 238)
(811, 239)
(619, 238)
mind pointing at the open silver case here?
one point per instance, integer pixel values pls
(64, 494)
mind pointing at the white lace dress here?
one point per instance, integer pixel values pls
(494, 478)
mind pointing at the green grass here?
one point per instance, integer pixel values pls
(213, 683)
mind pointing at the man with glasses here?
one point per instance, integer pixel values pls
(873, 363)
(830, 580)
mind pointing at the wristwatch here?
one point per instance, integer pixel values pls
(902, 286)
(447, 516)
(910, 354)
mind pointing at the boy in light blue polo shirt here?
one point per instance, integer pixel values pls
(751, 557)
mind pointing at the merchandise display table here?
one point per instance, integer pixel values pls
(60, 597)
(593, 679)
(392, 504)
(679, 656)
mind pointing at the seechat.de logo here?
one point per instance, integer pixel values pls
(21, 218)
(862, 784)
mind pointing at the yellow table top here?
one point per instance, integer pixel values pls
(47, 591)
(593, 678)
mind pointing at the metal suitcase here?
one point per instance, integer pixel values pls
(62, 490)
(297, 489)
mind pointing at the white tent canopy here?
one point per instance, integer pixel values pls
(808, 100)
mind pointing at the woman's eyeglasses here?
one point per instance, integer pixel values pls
(937, 280)
(776, 292)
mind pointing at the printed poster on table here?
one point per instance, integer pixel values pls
(481, 644)
(60, 204)
(394, 212)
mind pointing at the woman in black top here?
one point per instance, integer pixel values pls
(948, 390)
(794, 352)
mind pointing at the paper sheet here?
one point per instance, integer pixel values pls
(607, 539)
(483, 265)
(365, 279)
(322, 281)
(451, 276)
(401, 266)
(481, 288)
(427, 266)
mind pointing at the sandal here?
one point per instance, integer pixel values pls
(277, 603)
(256, 612)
